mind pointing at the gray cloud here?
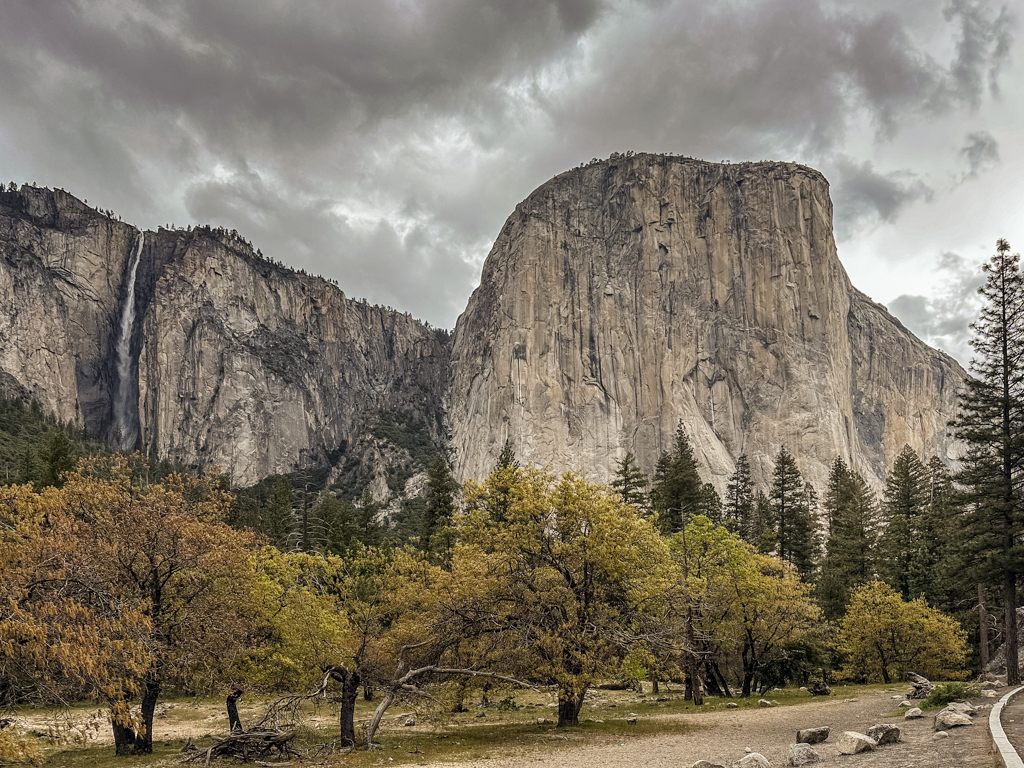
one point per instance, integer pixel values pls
(943, 319)
(870, 197)
(382, 142)
(980, 152)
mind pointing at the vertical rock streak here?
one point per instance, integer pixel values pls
(126, 420)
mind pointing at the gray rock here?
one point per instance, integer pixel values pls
(913, 713)
(802, 754)
(884, 733)
(767, 703)
(732, 705)
(949, 718)
(963, 707)
(940, 735)
(754, 760)
(852, 743)
(989, 694)
(706, 764)
(812, 735)
(410, 721)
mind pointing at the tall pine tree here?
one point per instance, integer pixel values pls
(852, 538)
(630, 482)
(991, 422)
(677, 491)
(903, 556)
(738, 509)
(792, 528)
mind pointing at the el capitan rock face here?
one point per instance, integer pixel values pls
(618, 299)
(630, 294)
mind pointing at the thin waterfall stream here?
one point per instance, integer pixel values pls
(126, 429)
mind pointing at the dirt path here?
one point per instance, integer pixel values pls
(722, 736)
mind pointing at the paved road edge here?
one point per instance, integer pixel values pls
(1002, 744)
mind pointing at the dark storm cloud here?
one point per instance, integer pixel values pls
(870, 197)
(943, 319)
(980, 152)
(382, 142)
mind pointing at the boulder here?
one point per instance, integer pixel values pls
(754, 760)
(802, 754)
(706, 764)
(820, 689)
(989, 693)
(920, 687)
(949, 718)
(963, 707)
(812, 735)
(766, 703)
(884, 733)
(913, 713)
(905, 703)
(852, 743)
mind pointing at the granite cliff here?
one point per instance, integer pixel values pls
(629, 294)
(618, 299)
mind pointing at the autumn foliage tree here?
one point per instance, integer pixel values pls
(152, 585)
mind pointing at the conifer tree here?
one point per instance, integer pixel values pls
(850, 549)
(903, 559)
(710, 503)
(507, 457)
(944, 588)
(738, 511)
(630, 482)
(677, 488)
(761, 530)
(991, 422)
(792, 528)
(439, 508)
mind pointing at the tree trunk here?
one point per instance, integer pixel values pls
(460, 697)
(144, 739)
(982, 628)
(485, 699)
(234, 721)
(124, 738)
(655, 685)
(1012, 651)
(722, 683)
(367, 692)
(569, 705)
(347, 717)
(378, 715)
(748, 683)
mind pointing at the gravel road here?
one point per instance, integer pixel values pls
(721, 737)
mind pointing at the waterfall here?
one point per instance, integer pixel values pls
(126, 429)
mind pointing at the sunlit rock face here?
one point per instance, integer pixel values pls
(626, 296)
(619, 299)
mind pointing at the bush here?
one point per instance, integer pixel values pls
(944, 693)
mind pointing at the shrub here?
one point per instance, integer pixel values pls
(944, 693)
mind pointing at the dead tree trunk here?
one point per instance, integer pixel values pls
(234, 721)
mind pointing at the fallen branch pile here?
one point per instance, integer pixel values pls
(249, 745)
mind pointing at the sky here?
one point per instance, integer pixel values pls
(384, 142)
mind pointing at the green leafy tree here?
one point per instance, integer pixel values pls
(991, 423)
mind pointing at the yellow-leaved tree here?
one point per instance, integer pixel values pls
(569, 575)
(884, 638)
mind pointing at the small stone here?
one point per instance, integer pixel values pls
(884, 733)
(949, 718)
(706, 764)
(989, 694)
(631, 719)
(852, 743)
(812, 735)
(802, 754)
(941, 735)
(410, 721)
(913, 713)
(905, 703)
(766, 703)
(732, 705)
(754, 760)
